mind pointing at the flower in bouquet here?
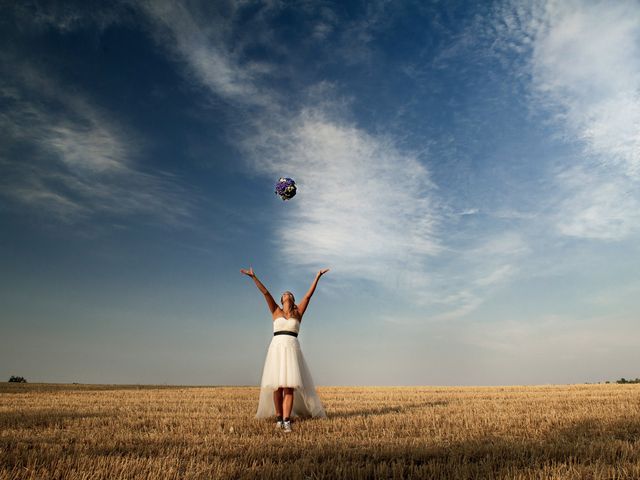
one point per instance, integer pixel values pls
(286, 188)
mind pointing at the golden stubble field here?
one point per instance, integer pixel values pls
(143, 432)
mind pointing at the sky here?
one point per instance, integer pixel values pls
(468, 171)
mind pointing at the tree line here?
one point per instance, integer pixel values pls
(17, 379)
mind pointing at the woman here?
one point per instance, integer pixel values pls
(285, 369)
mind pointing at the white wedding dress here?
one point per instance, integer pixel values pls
(285, 366)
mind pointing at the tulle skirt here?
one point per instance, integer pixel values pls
(285, 366)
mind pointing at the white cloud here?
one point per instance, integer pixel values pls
(499, 275)
(79, 161)
(506, 244)
(585, 67)
(476, 271)
(586, 59)
(364, 207)
(460, 304)
(35, 194)
(599, 207)
(198, 41)
(469, 211)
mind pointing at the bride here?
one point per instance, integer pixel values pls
(285, 369)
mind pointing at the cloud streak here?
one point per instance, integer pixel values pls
(370, 207)
(197, 41)
(584, 68)
(366, 207)
(76, 161)
(586, 59)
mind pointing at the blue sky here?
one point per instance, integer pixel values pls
(468, 173)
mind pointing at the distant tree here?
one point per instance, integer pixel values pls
(17, 379)
(624, 380)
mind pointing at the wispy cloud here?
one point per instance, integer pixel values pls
(67, 15)
(586, 59)
(476, 271)
(199, 42)
(358, 35)
(366, 207)
(63, 155)
(584, 67)
(580, 65)
(597, 204)
(351, 212)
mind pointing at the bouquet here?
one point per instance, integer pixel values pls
(286, 188)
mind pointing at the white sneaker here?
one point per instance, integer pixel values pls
(286, 425)
(279, 425)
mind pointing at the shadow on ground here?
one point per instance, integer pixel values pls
(577, 450)
(43, 418)
(404, 408)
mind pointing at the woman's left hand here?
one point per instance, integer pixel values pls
(322, 272)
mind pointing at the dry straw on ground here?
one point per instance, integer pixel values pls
(77, 432)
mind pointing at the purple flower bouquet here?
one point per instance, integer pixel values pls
(286, 188)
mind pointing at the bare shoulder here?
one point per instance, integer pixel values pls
(278, 313)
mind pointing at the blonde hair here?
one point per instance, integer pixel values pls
(282, 296)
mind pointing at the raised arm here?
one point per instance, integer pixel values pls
(302, 306)
(267, 296)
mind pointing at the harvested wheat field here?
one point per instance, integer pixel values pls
(146, 432)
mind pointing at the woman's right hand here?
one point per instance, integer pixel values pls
(248, 272)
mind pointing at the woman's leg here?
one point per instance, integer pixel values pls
(277, 400)
(287, 402)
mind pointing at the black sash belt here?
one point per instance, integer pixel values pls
(284, 332)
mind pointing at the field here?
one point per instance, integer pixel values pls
(142, 432)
